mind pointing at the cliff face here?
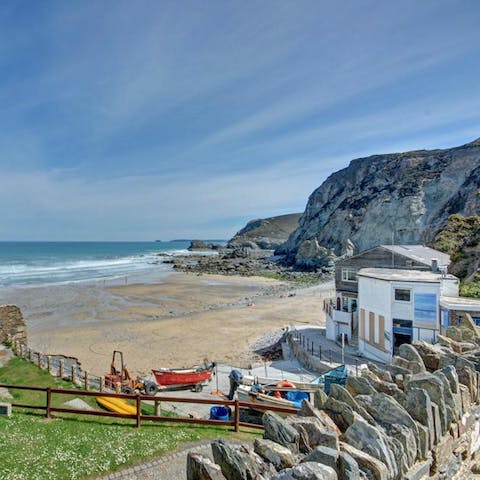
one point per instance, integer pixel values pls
(408, 194)
(267, 233)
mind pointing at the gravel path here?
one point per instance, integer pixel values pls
(168, 467)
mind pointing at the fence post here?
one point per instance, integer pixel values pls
(139, 409)
(158, 408)
(72, 373)
(61, 369)
(356, 367)
(39, 360)
(320, 351)
(331, 355)
(102, 384)
(49, 401)
(30, 354)
(237, 416)
(85, 378)
(49, 363)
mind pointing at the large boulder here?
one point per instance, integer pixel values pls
(374, 441)
(200, 467)
(279, 456)
(359, 386)
(313, 433)
(240, 462)
(347, 467)
(307, 410)
(12, 325)
(341, 413)
(398, 424)
(307, 471)
(324, 455)
(411, 354)
(343, 395)
(281, 432)
(374, 468)
(434, 386)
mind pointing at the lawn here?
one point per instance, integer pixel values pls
(77, 446)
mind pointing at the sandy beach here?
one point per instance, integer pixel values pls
(178, 321)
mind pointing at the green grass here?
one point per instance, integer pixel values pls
(78, 446)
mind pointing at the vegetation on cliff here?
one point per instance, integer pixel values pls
(461, 239)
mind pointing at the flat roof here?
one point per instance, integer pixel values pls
(397, 275)
(460, 303)
(420, 253)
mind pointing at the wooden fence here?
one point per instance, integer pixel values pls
(236, 405)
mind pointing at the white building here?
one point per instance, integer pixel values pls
(399, 306)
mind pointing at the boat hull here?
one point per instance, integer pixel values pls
(177, 377)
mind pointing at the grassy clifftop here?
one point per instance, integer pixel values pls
(461, 239)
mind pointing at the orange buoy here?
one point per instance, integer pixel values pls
(283, 384)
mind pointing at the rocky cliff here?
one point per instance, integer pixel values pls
(410, 195)
(266, 233)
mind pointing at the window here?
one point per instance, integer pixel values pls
(349, 275)
(402, 295)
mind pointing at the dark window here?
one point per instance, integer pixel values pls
(402, 295)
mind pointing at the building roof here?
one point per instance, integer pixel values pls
(420, 253)
(460, 303)
(397, 275)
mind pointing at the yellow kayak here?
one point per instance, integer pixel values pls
(117, 405)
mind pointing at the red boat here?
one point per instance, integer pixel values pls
(189, 377)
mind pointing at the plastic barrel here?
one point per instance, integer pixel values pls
(219, 413)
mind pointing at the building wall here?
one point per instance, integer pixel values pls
(378, 309)
(377, 257)
(375, 321)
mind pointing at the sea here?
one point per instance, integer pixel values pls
(43, 263)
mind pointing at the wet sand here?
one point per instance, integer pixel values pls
(179, 321)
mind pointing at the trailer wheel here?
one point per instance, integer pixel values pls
(151, 388)
(198, 387)
(127, 390)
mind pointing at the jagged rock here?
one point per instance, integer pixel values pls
(267, 233)
(200, 467)
(374, 468)
(396, 421)
(341, 394)
(239, 462)
(324, 455)
(307, 471)
(341, 413)
(308, 410)
(454, 333)
(395, 370)
(453, 408)
(419, 406)
(411, 354)
(347, 467)
(468, 377)
(373, 441)
(5, 394)
(434, 387)
(279, 431)
(384, 375)
(424, 444)
(359, 386)
(469, 324)
(313, 433)
(319, 399)
(279, 456)
(430, 354)
(12, 324)
(357, 204)
(312, 255)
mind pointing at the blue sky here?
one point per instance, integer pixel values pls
(139, 120)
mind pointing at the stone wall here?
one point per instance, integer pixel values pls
(417, 419)
(12, 325)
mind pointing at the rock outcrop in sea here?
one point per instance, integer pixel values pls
(419, 418)
(266, 233)
(408, 195)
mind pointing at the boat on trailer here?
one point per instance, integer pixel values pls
(195, 377)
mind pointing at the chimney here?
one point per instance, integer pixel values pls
(434, 265)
